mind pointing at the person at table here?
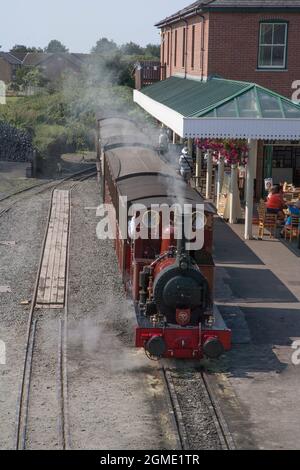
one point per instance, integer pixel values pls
(275, 202)
(293, 211)
(297, 203)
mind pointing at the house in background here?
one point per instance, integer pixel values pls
(52, 65)
(55, 65)
(254, 41)
(9, 65)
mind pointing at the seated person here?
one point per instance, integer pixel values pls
(275, 203)
(297, 204)
(293, 210)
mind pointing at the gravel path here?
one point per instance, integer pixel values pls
(24, 225)
(116, 397)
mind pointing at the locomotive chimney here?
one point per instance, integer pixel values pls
(181, 240)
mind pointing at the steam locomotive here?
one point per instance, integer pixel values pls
(171, 286)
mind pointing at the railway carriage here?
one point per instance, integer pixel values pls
(172, 287)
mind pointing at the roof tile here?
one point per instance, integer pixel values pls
(214, 4)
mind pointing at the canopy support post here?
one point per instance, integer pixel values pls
(190, 145)
(234, 194)
(251, 170)
(221, 167)
(209, 174)
(198, 166)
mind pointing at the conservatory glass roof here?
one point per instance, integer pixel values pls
(221, 108)
(218, 97)
(256, 103)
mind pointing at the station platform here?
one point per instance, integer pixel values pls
(258, 294)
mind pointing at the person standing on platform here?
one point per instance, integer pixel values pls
(163, 142)
(186, 165)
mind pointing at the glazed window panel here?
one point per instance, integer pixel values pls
(273, 45)
(183, 46)
(193, 47)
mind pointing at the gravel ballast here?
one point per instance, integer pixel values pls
(116, 397)
(24, 224)
(195, 408)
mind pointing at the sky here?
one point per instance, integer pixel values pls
(80, 23)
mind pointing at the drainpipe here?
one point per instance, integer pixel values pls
(171, 50)
(202, 43)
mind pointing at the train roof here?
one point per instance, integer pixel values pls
(128, 161)
(138, 171)
(123, 131)
(124, 141)
(160, 189)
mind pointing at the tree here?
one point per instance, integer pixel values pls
(28, 76)
(105, 47)
(24, 49)
(152, 50)
(131, 48)
(55, 46)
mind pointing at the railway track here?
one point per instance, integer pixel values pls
(208, 396)
(40, 188)
(46, 339)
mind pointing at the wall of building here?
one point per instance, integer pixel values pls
(230, 49)
(55, 67)
(233, 49)
(5, 71)
(186, 61)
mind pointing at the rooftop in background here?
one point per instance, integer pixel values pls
(10, 58)
(229, 5)
(36, 58)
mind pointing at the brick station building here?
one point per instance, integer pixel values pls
(252, 40)
(246, 40)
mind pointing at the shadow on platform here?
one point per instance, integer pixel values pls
(272, 334)
(257, 286)
(262, 336)
(229, 248)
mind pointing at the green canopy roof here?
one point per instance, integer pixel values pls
(221, 98)
(221, 108)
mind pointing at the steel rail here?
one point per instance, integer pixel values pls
(24, 394)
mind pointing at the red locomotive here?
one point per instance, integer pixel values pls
(172, 287)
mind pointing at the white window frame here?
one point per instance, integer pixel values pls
(260, 45)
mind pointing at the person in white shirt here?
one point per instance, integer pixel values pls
(163, 141)
(186, 164)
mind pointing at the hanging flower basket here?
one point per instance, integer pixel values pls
(234, 152)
